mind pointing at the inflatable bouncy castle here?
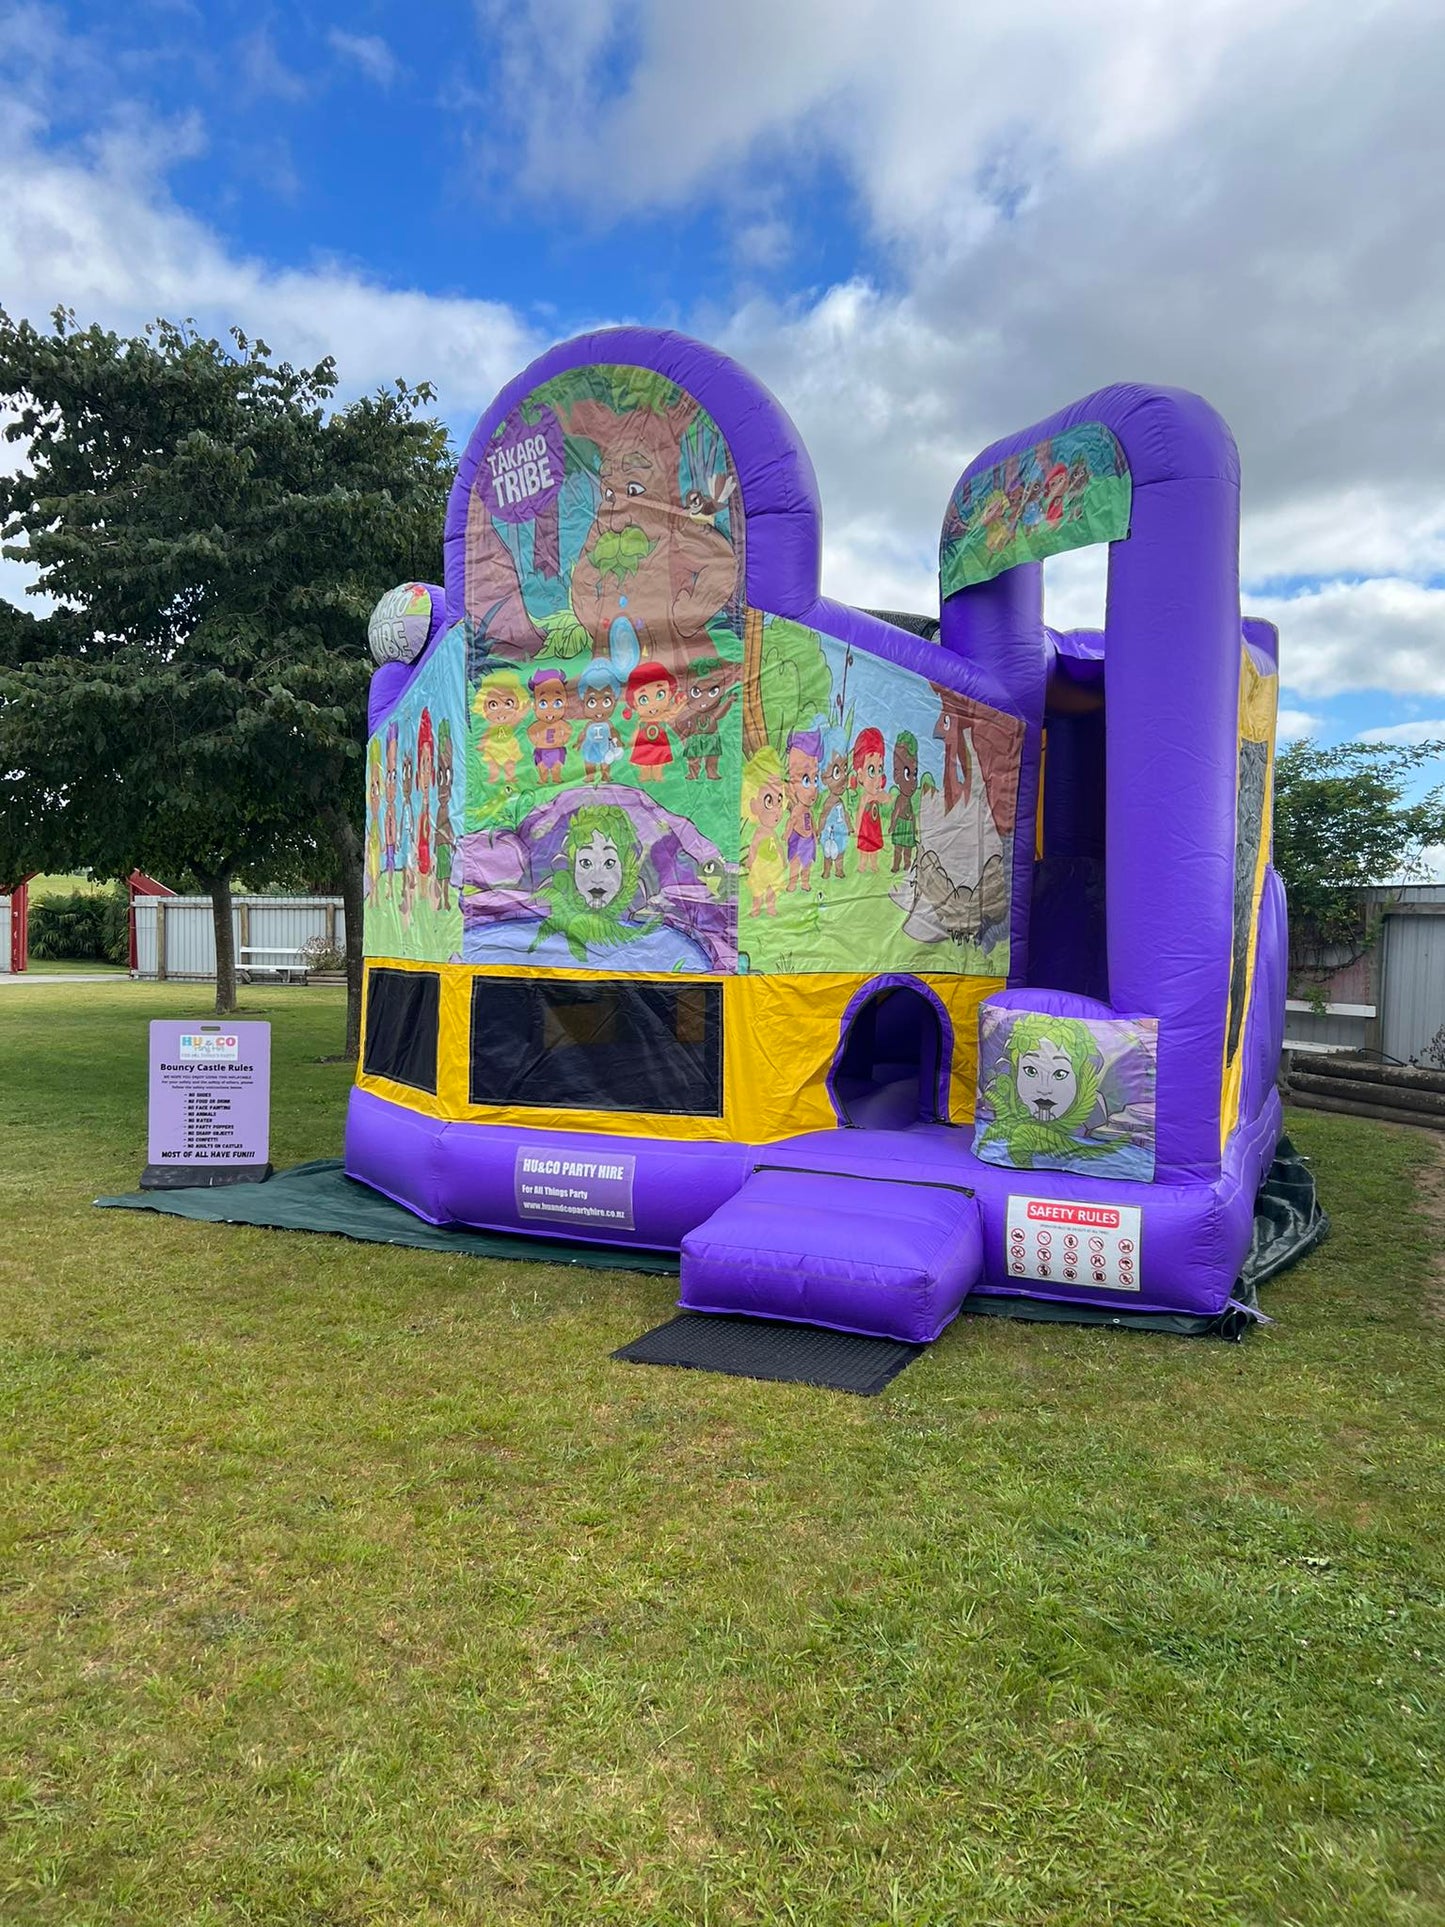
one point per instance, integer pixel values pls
(868, 960)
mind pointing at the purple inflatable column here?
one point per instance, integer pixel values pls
(1171, 670)
(999, 626)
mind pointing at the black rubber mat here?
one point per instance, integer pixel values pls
(705, 1341)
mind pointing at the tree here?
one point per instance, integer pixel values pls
(215, 534)
(1344, 820)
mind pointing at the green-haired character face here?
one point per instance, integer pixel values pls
(1044, 1095)
(597, 880)
(601, 853)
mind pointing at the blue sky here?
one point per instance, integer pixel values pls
(923, 223)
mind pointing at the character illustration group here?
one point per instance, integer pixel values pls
(825, 802)
(410, 835)
(673, 720)
(1071, 489)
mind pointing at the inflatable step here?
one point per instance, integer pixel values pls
(888, 1257)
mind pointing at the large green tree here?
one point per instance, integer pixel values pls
(214, 532)
(1347, 817)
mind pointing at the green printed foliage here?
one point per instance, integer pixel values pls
(618, 388)
(621, 552)
(795, 685)
(565, 635)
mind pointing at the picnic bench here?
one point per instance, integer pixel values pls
(286, 965)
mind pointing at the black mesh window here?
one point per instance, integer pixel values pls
(401, 1027)
(562, 1045)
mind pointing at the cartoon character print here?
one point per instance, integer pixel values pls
(498, 704)
(550, 730)
(590, 902)
(391, 827)
(446, 836)
(765, 802)
(599, 745)
(425, 777)
(658, 559)
(903, 820)
(406, 831)
(1039, 490)
(373, 818)
(834, 829)
(711, 689)
(870, 779)
(805, 753)
(1046, 1093)
(652, 696)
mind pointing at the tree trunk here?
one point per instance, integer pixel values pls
(755, 726)
(218, 889)
(346, 842)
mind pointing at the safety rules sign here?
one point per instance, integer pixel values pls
(210, 1095)
(1095, 1245)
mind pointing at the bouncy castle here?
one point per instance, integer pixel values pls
(869, 960)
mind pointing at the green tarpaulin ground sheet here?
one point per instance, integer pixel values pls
(320, 1197)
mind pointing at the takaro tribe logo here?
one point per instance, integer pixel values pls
(525, 466)
(211, 1046)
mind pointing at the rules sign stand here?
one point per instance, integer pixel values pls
(210, 1105)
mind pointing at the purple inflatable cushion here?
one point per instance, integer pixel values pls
(886, 1258)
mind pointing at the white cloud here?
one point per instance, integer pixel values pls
(99, 231)
(1232, 197)
(1384, 634)
(368, 51)
(1238, 197)
(263, 70)
(931, 104)
(1292, 724)
(1431, 730)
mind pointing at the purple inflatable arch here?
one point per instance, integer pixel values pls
(1029, 1055)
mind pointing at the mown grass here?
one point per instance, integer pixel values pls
(352, 1585)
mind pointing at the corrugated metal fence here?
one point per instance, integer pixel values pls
(1391, 1000)
(175, 936)
(1412, 982)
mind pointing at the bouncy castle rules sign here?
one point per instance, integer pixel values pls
(210, 1101)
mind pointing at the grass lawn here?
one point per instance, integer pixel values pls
(347, 1585)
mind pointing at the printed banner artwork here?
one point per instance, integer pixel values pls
(400, 624)
(210, 1093)
(1066, 1093)
(562, 1188)
(604, 521)
(603, 646)
(413, 904)
(1064, 494)
(651, 776)
(877, 815)
(1094, 1245)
